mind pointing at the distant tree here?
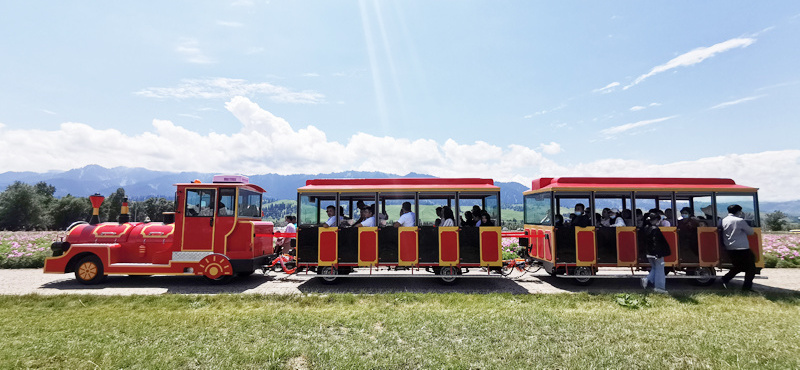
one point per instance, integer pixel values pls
(69, 209)
(20, 208)
(775, 221)
(155, 208)
(109, 211)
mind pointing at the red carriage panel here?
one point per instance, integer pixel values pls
(626, 246)
(448, 246)
(491, 242)
(708, 246)
(367, 246)
(671, 234)
(328, 246)
(407, 245)
(585, 246)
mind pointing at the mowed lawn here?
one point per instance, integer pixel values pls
(391, 331)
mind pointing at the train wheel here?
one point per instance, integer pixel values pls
(583, 271)
(328, 270)
(216, 268)
(89, 270)
(448, 274)
(706, 276)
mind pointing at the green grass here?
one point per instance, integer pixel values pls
(401, 331)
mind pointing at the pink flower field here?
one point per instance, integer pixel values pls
(26, 249)
(781, 250)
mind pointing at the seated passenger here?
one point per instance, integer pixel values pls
(614, 218)
(605, 220)
(333, 221)
(360, 205)
(486, 220)
(626, 216)
(687, 220)
(559, 221)
(639, 217)
(476, 214)
(221, 210)
(369, 219)
(664, 221)
(438, 216)
(579, 219)
(470, 221)
(407, 218)
(449, 217)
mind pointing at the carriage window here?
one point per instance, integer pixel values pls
(200, 202)
(565, 206)
(391, 203)
(308, 211)
(225, 206)
(432, 208)
(472, 203)
(537, 209)
(249, 203)
(746, 201)
(605, 202)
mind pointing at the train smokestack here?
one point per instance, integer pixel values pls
(96, 200)
(123, 212)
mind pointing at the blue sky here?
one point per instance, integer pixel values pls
(512, 90)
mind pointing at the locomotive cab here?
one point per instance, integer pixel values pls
(217, 233)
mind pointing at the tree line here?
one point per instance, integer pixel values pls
(34, 207)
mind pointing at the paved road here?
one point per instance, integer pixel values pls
(33, 281)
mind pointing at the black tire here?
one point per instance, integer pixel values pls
(89, 270)
(709, 276)
(328, 270)
(448, 275)
(222, 280)
(582, 271)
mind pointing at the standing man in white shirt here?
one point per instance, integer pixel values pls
(407, 218)
(735, 231)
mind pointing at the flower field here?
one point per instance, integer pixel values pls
(26, 249)
(510, 248)
(781, 250)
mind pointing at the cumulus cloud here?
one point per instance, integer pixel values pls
(552, 148)
(607, 89)
(269, 144)
(612, 131)
(738, 101)
(226, 88)
(190, 49)
(695, 56)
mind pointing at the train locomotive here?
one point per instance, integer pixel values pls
(216, 232)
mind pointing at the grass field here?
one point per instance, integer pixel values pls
(401, 331)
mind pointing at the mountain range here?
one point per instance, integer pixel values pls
(141, 183)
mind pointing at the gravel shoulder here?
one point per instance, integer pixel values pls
(34, 281)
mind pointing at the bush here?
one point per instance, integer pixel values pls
(781, 250)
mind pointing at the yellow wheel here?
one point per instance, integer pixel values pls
(89, 270)
(216, 268)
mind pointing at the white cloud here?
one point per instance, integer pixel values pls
(49, 112)
(695, 56)
(226, 88)
(641, 107)
(230, 24)
(552, 148)
(607, 89)
(311, 74)
(611, 131)
(190, 49)
(738, 101)
(269, 144)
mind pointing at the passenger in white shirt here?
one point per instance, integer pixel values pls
(615, 219)
(369, 218)
(407, 218)
(333, 221)
(449, 217)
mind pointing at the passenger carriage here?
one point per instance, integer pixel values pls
(446, 252)
(696, 246)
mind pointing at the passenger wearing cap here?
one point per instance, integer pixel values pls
(615, 219)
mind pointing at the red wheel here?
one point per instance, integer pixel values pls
(215, 266)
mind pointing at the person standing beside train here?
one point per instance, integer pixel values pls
(656, 248)
(736, 230)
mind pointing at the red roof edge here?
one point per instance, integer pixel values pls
(401, 181)
(626, 181)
